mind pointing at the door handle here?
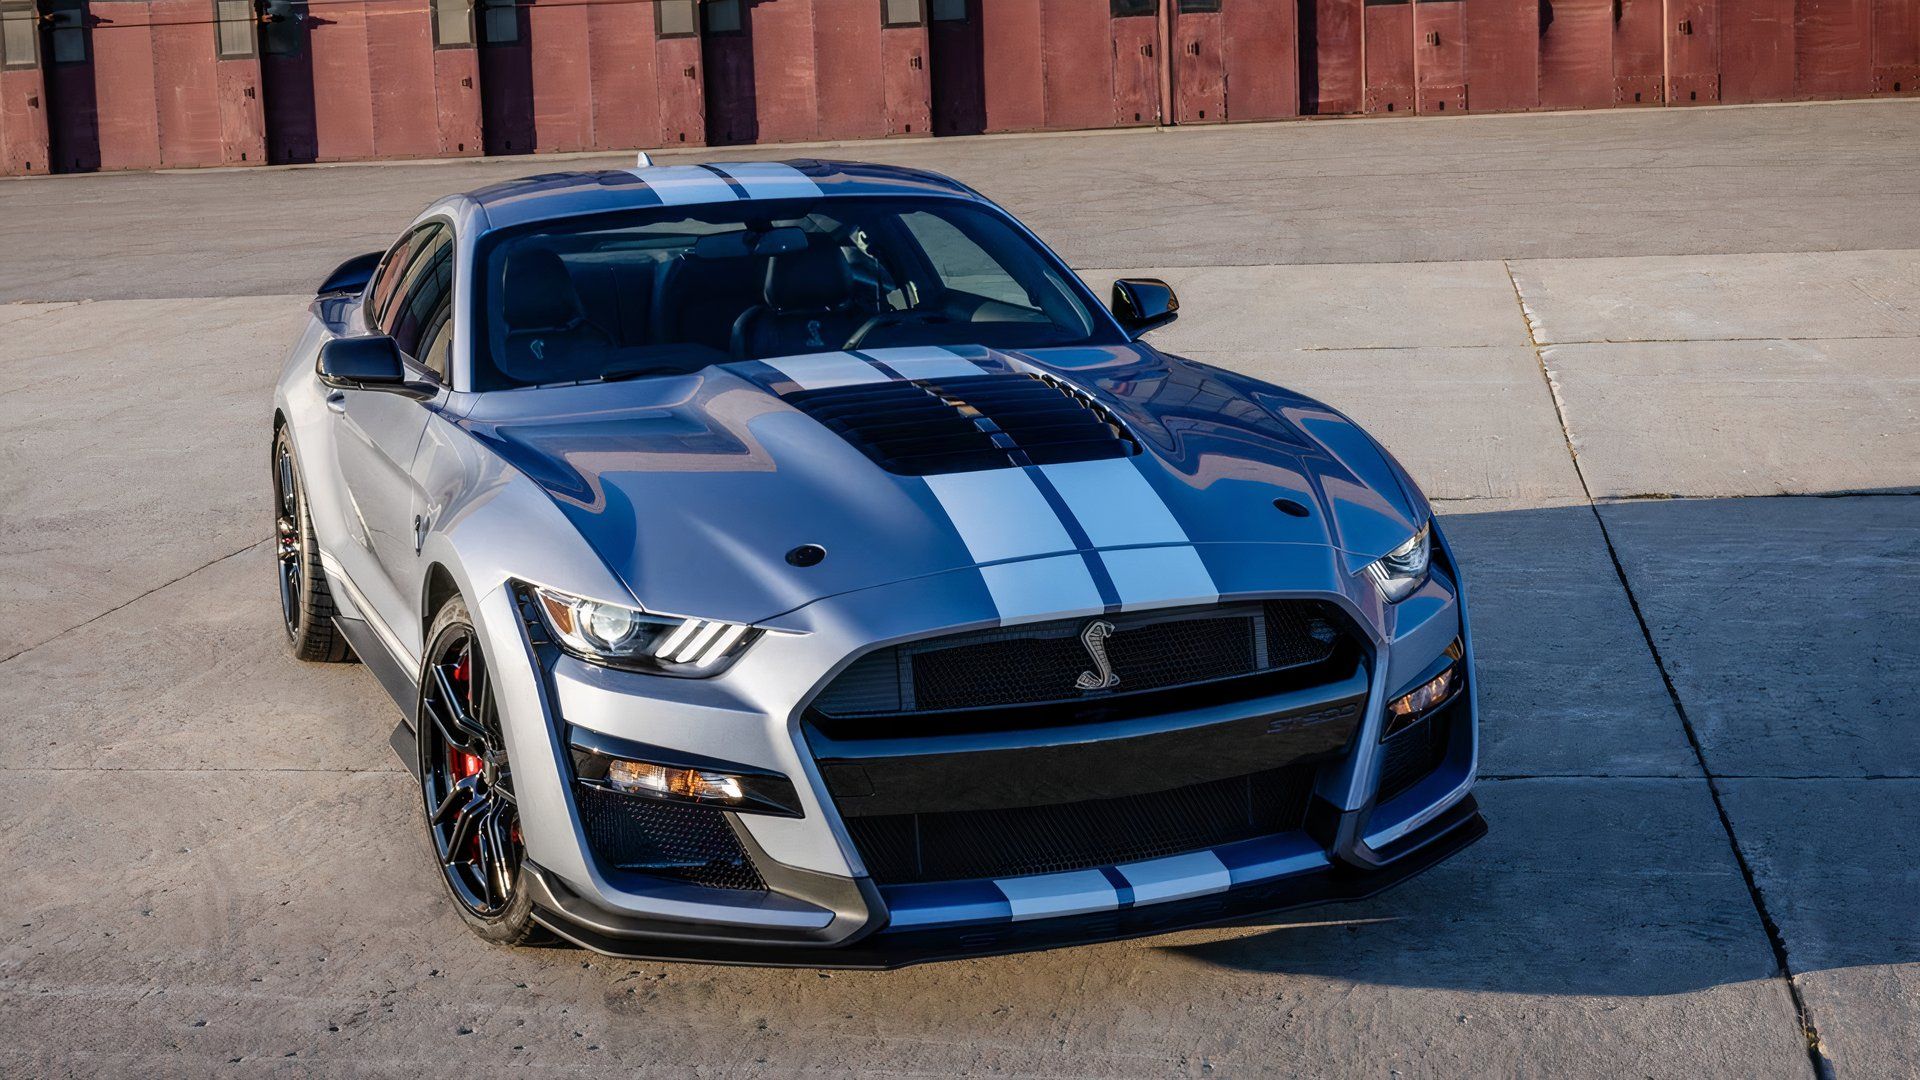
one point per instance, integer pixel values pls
(337, 401)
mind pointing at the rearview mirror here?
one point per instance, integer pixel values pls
(370, 363)
(1143, 304)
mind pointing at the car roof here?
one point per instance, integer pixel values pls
(568, 194)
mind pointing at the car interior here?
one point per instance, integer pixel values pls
(667, 297)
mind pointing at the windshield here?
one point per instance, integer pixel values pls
(673, 289)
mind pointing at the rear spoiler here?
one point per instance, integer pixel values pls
(351, 276)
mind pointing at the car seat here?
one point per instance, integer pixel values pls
(548, 336)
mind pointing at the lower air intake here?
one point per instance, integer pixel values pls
(635, 834)
(1010, 842)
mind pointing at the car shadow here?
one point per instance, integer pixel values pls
(1608, 870)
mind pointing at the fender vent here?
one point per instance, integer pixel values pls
(999, 421)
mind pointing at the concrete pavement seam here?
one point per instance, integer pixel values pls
(1817, 1058)
(10, 657)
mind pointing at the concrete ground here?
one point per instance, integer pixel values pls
(1658, 370)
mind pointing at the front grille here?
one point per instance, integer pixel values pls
(1412, 754)
(1009, 842)
(931, 426)
(1039, 664)
(642, 835)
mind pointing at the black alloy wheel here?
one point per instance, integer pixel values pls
(466, 780)
(306, 606)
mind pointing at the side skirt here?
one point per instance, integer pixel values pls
(395, 679)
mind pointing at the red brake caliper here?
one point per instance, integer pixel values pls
(459, 762)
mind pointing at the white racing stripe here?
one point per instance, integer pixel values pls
(1000, 514)
(1114, 503)
(772, 180)
(817, 371)
(1159, 577)
(1035, 589)
(926, 362)
(1176, 877)
(1044, 896)
(1116, 506)
(682, 185)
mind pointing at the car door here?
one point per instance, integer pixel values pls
(378, 433)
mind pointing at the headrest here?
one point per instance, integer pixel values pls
(812, 278)
(539, 292)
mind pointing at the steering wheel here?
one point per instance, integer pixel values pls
(888, 320)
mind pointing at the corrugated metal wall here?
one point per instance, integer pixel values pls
(110, 84)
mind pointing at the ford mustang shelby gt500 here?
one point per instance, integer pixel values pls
(795, 563)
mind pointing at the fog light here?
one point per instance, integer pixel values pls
(640, 778)
(1401, 710)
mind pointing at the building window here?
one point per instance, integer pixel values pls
(901, 13)
(67, 31)
(947, 10)
(19, 34)
(720, 16)
(1123, 9)
(234, 36)
(452, 24)
(283, 31)
(1199, 7)
(499, 22)
(674, 19)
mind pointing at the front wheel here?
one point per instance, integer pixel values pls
(466, 781)
(306, 607)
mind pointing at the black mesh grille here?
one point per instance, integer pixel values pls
(926, 427)
(1036, 664)
(688, 843)
(958, 845)
(1411, 754)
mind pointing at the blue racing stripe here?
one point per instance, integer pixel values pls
(1102, 580)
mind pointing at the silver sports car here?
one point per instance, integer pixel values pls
(795, 563)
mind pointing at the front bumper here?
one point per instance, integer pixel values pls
(880, 945)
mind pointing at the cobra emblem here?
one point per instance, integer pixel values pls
(1094, 637)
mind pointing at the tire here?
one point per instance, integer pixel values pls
(306, 606)
(487, 889)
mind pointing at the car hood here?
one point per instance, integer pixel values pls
(695, 489)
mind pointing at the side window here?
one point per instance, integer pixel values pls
(674, 18)
(436, 356)
(66, 22)
(236, 28)
(499, 22)
(720, 16)
(19, 34)
(452, 24)
(900, 13)
(426, 288)
(386, 279)
(961, 264)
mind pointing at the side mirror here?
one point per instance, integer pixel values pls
(362, 363)
(351, 276)
(1143, 304)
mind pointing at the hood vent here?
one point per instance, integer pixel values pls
(927, 427)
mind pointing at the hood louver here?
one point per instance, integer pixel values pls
(927, 427)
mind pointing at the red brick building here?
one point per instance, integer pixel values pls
(125, 84)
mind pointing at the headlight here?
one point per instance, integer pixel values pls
(630, 638)
(1400, 571)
